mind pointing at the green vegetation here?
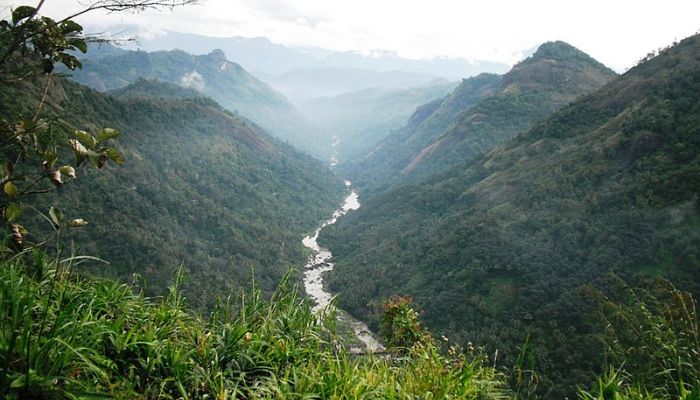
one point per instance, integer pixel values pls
(199, 185)
(505, 245)
(69, 337)
(64, 336)
(375, 170)
(400, 324)
(653, 335)
(483, 112)
(520, 250)
(213, 76)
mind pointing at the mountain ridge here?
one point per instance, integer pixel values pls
(492, 109)
(519, 237)
(215, 76)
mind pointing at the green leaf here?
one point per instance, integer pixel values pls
(56, 215)
(8, 168)
(19, 382)
(106, 134)
(98, 160)
(10, 189)
(79, 44)
(21, 13)
(13, 211)
(114, 155)
(69, 61)
(85, 139)
(50, 158)
(67, 170)
(70, 26)
(46, 65)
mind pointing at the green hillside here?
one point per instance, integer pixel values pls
(199, 186)
(153, 89)
(510, 244)
(485, 111)
(214, 76)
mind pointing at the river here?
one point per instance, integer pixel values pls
(320, 263)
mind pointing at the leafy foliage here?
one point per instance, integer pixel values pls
(400, 325)
(52, 41)
(505, 245)
(31, 147)
(654, 337)
(67, 337)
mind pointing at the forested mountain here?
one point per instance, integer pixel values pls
(214, 76)
(361, 119)
(200, 186)
(483, 112)
(511, 244)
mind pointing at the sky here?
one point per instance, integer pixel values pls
(617, 33)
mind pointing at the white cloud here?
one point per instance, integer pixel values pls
(617, 33)
(193, 80)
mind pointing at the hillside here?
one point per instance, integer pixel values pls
(510, 243)
(153, 89)
(553, 76)
(378, 167)
(214, 76)
(200, 187)
(363, 118)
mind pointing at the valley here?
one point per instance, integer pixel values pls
(231, 217)
(319, 264)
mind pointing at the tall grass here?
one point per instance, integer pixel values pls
(654, 339)
(68, 337)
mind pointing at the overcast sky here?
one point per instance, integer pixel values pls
(617, 33)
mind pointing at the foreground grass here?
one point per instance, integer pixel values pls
(64, 336)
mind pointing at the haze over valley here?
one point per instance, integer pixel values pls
(263, 200)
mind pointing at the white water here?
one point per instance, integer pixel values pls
(334, 156)
(320, 263)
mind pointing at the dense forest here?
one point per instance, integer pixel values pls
(546, 246)
(482, 112)
(199, 186)
(213, 75)
(511, 244)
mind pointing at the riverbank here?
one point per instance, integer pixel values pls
(320, 263)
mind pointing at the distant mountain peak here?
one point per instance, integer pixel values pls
(556, 49)
(218, 57)
(564, 52)
(559, 64)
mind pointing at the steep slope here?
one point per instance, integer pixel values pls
(552, 77)
(200, 186)
(378, 168)
(214, 76)
(153, 89)
(509, 244)
(361, 119)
